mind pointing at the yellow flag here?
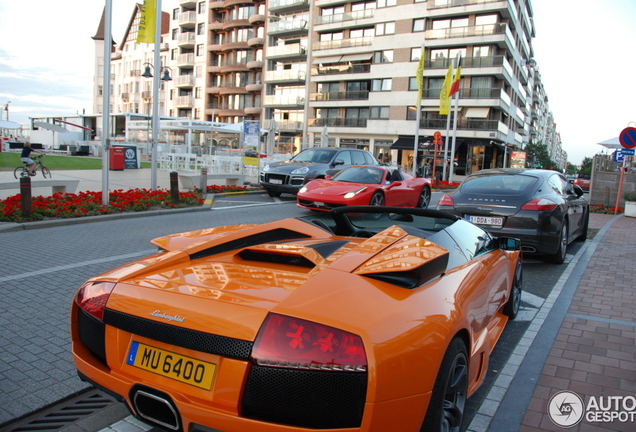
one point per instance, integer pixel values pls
(420, 77)
(147, 22)
(444, 98)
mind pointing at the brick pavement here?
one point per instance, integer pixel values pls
(586, 345)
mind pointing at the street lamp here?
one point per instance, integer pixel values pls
(156, 123)
(6, 108)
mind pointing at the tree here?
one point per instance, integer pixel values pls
(537, 156)
(586, 166)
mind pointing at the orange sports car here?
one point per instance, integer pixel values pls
(367, 319)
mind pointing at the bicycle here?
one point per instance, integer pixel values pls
(23, 171)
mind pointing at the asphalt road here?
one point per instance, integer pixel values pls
(43, 268)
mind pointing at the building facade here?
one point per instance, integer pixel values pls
(345, 72)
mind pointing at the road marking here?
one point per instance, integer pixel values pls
(532, 299)
(251, 205)
(75, 265)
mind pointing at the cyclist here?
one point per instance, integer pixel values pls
(24, 157)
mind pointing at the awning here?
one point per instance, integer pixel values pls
(477, 113)
(612, 143)
(406, 143)
(73, 124)
(50, 126)
(6, 124)
(324, 60)
(357, 57)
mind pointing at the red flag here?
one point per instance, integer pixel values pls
(455, 86)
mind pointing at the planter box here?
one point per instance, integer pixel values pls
(630, 208)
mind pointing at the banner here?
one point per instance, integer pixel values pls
(444, 98)
(420, 77)
(147, 24)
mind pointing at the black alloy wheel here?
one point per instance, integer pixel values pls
(425, 197)
(511, 308)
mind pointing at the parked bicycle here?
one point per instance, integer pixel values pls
(23, 171)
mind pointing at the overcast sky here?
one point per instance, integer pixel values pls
(584, 50)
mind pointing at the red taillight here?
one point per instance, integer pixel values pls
(92, 297)
(295, 343)
(542, 204)
(446, 200)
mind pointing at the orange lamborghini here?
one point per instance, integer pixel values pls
(368, 319)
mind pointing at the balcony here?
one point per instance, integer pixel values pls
(462, 124)
(183, 101)
(335, 122)
(183, 81)
(256, 110)
(491, 33)
(231, 89)
(146, 95)
(135, 73)
(255, 64)
(285, 52)
(213, 68)
(125, 96)
(343, 43)
(286, 6)
(284, 101)
(288, 27)
(233, 67)
(256, 42)
(220, 4)
(340, 96)
(232, 23)
(437, 4)
(257, 87)
(186, 39)
(187, 18)
(285, 76)
(257, 19)
(185, 60)
(341, 69)
(216, 24)
(343, 17)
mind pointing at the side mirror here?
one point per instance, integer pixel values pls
(327, 177)
(338, 162)
(509, 243)
(578, 191)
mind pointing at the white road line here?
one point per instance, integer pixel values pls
(250, 205)
(75, 265)
(532, 299)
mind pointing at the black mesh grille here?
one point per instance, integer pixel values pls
(91, 334)
(310, 399)
(274, 258)
(274, 235)
(177, 336)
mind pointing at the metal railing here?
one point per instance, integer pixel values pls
(345, 95)
(341, 69)
(349, 16)
(457, 32)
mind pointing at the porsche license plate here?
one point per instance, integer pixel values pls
(275, 181)
(168, 364)
(486, 220)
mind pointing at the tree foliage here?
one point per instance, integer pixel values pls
(537, 156)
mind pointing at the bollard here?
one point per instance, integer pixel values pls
(204, 180)
(174, 187)
(607, 197)
(25, 196)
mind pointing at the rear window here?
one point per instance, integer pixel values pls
(501, 184)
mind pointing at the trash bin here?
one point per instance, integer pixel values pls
(116, 158)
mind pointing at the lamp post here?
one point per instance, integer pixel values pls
(156, 123)
(6, 108)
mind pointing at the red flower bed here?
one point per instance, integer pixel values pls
(601, 208)
(446, 185)
(68, 205)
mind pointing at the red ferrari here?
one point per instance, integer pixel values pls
(366, 185)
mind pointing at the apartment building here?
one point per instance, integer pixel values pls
(347, 70)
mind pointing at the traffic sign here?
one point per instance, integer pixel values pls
(618, 156)
(627, 137)
(628, 152)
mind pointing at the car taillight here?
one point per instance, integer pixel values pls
(92, 297)
(446, 201)
(542, 204)
(295, 343)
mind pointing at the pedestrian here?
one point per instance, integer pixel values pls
(24, 157)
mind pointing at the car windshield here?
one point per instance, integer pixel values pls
(499, 184)
(314, 155)
(367, 175)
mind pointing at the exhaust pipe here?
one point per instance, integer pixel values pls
(528, 249)
(156, 409)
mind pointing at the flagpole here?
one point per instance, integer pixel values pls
(156, 122)
(443, 109)
(108, 46)
(452, 154)
(418, 114)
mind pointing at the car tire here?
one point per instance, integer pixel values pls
(377, 199)
(511, 308)
(586, 225)
(559, 256)
(273, 194)
(448, 401)
(425, 197)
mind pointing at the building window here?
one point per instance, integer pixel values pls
(332, 11)
(202, 7)
(362, 6)
(379, 112)
(386, 3)
(173, 54)
(385, 28)
(418, 25)
(383, 56)
(446, 23)
(363, 32)
(381, 84)
(175, 34)
(100, 90)
(486, 19)
(200, 28)
(197, 93)
(415, 54)
(175, 13)
(200, 50)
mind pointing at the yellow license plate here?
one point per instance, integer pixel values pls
(168, 364)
